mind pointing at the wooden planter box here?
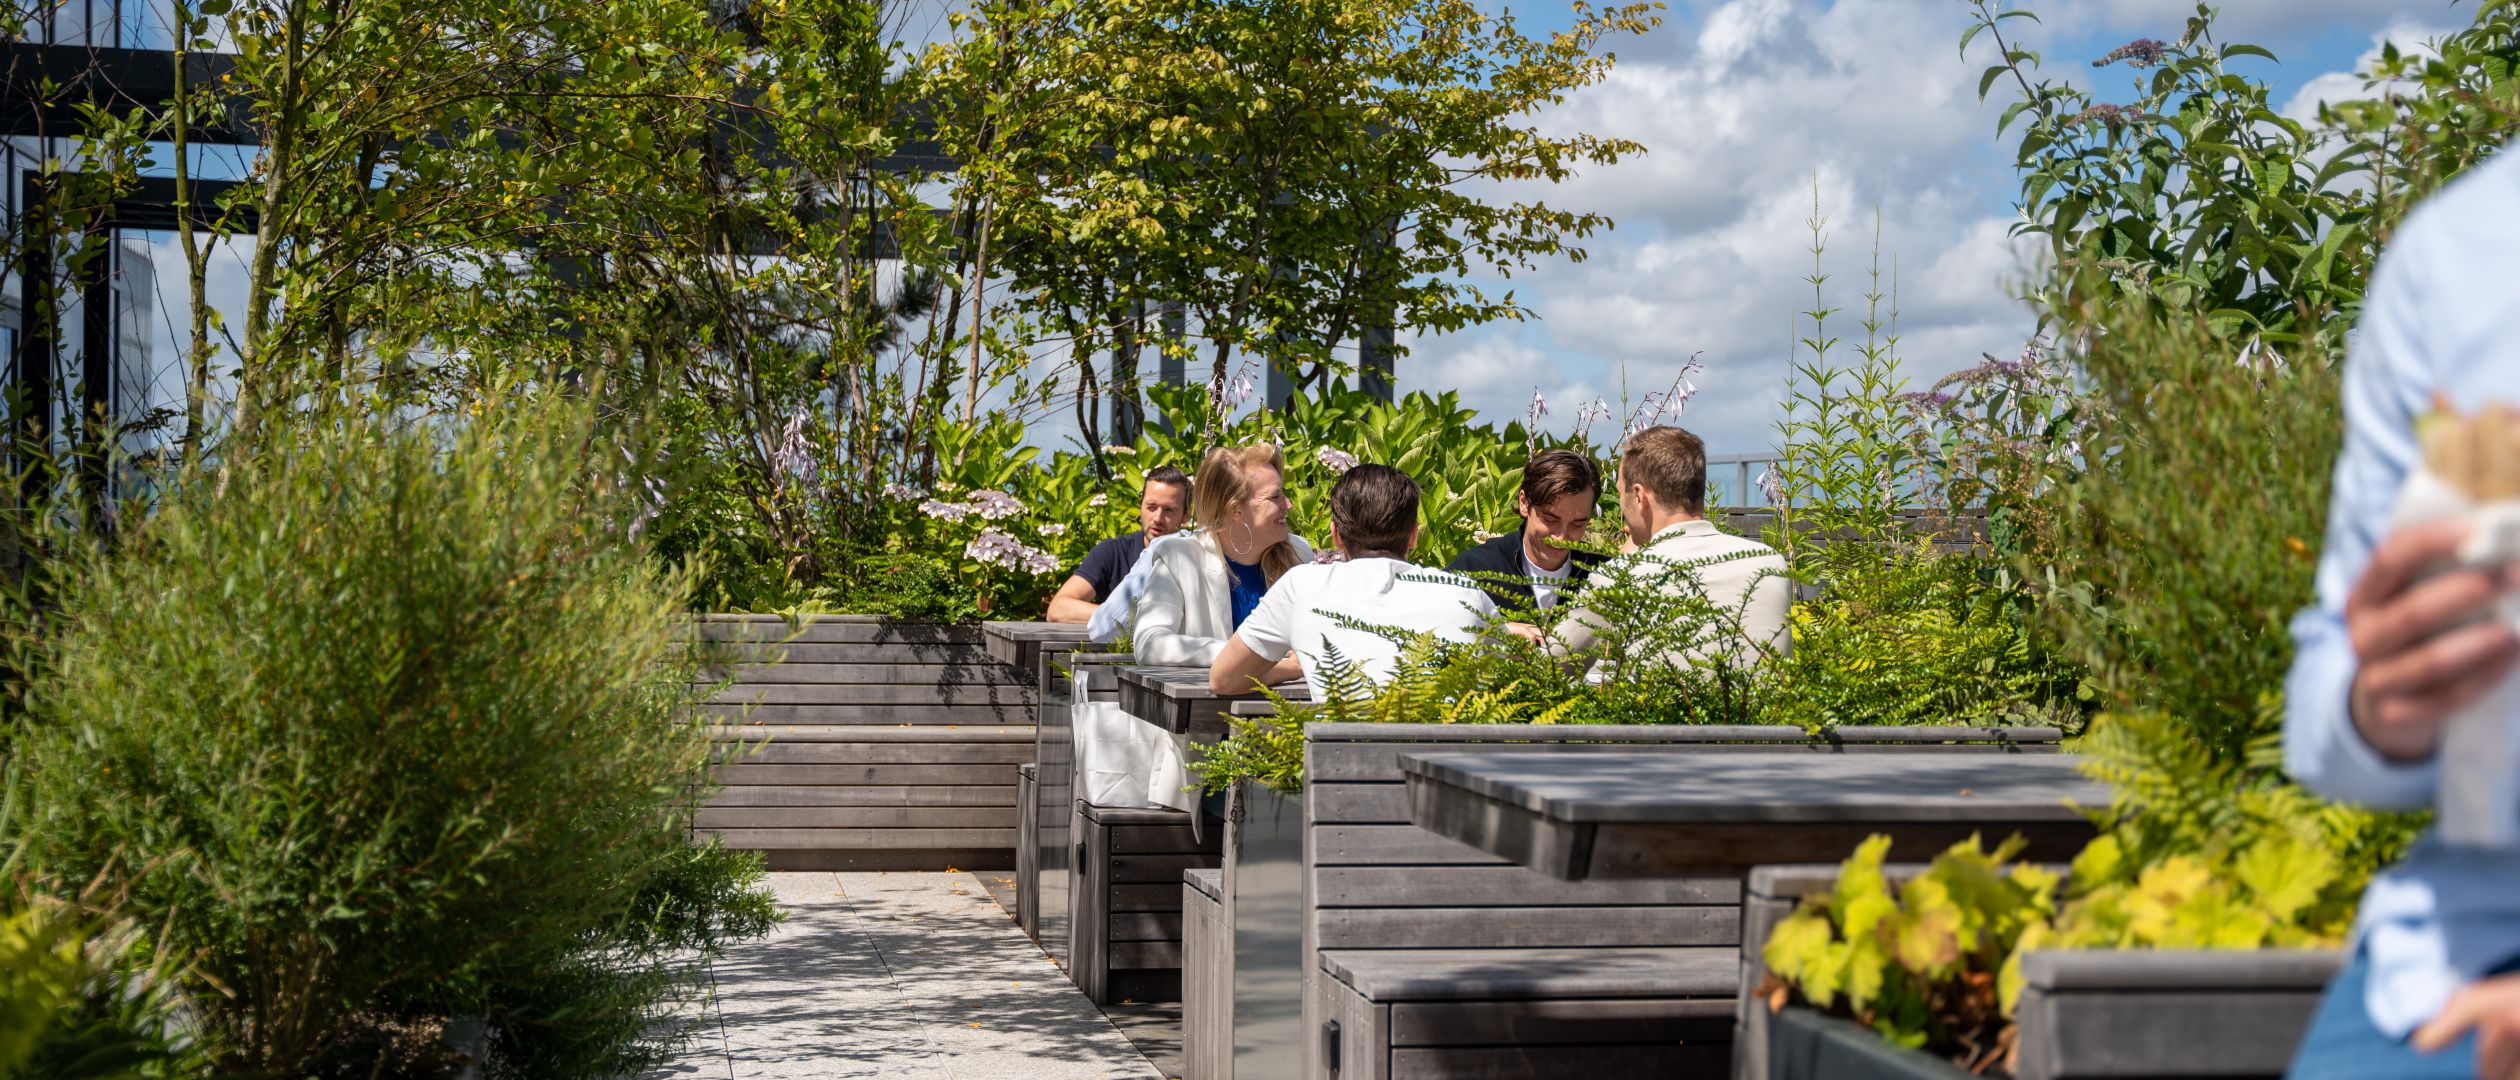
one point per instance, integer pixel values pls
(2084, 1014)
(1028, 850)
(2088, 1014)
(1207, 977)
(1431, 955)
(1804, 1045)
(858, 743)
(1128, 900)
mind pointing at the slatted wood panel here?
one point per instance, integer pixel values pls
(1376, 881)
(855, 743)
(1129, 940)
(1207, 977)
(1516, 1033)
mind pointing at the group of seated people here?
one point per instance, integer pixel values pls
(1248, 599)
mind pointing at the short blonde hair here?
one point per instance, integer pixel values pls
(1225, 479)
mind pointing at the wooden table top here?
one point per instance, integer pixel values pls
(1178, 698)
(1021, 643)
(1658, 812)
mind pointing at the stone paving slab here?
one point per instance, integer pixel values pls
(908, 975)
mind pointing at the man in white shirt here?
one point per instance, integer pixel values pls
(1317, 611)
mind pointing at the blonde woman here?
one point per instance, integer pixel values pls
(1203, 586)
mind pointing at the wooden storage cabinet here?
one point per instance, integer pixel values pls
(1127, 900)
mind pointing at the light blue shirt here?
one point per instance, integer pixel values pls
(1114, 613)
(2443, 316)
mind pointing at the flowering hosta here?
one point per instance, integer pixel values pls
(1000, 550)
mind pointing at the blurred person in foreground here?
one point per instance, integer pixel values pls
(2400, 640)
(1201, 586)
(1319, 613)
(1662, 501)
(1163, 504)
(1530, 569)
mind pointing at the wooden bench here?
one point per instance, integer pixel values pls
(1439, 960)
(1128, 911)
(859, 743)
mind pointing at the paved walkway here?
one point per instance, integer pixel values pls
(904, 975)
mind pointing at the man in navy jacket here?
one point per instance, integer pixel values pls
(1527, 570)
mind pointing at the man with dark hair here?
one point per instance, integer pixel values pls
(1662, 501)
(1318, 611)
(1163, 504)
(1530, 568)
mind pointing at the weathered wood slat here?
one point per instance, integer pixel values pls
(1356, 760)
(1542, 1062)
(1146, 926)
(1504, 886)
(1525, 927)
(985, 673)
(834, 630)
(1145, 869)
(1141, 955)
(857, 817)
(873, 795)
(1156, 897)
(767, 692)
(1558, 1021)
(888, 753)
(1157, 840)
(877, 775)
(1393, 845)
(1390, 975)
(804, 652)
(872, 715)
(1207, 1001)
(904, 733)
(879, 839)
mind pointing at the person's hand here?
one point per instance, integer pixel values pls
(1525, 631)
(2491, 1009)
(2423, 653)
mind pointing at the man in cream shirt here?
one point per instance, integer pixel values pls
(1662, 500)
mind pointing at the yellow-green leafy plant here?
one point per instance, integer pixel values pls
(1917, 963)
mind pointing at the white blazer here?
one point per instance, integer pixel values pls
(1188, 610)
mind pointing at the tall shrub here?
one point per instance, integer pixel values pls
(385, 726)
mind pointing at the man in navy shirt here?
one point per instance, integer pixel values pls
(1526, 570)
(1162, 506)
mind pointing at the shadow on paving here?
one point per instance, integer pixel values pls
(907, 975)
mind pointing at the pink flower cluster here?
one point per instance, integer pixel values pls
(1002, 550)
(945, 511)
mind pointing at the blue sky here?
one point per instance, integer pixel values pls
(1742, 104)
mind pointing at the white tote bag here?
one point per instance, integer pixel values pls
(1124, 761)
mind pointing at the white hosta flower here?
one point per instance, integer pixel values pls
(994, 505)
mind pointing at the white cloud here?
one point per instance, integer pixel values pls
(2335, 86)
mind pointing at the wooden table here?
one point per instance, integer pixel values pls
(1020, 643)
(1177, 699)
(1645, 813)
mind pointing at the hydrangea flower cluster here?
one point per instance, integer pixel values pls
(1004, 551)
(902, 491)
(1337, 461)
(1054, 529)
(945, 511)
(995, 505)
